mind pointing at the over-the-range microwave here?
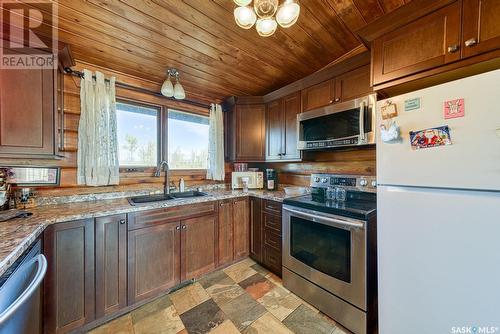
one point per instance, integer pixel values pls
(350, 123)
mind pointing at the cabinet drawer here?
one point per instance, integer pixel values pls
(272, 260)
(154, 217)
(272, 207)
(272, 222)
(272, 239)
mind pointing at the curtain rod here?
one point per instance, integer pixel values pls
(79, 74)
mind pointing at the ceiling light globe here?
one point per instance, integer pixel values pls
(266, 27)
(245, 17)
(167, 89)
(288, 13)
(242, 3)
(265, 8)
(179, 92)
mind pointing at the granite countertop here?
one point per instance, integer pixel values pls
(18, 234)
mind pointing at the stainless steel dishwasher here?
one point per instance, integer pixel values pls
(20, 294)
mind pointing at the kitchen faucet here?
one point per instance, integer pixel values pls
(164, 165)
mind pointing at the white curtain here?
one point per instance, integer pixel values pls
(97, 139)
(215, 169)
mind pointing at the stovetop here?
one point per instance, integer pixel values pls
(355, 207)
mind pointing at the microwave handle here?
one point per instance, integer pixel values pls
(362, 121)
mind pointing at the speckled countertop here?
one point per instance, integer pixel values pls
(18, 234)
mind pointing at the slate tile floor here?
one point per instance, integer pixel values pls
(243, 298)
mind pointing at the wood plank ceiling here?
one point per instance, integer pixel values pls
(215, 57)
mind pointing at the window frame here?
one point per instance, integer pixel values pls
(161, 142)
(199, 171)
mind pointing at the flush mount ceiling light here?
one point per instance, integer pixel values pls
(263, 13)
(170, 90)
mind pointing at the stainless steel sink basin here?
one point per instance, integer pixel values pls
(149, 199)
(162, 197)
(188, 194)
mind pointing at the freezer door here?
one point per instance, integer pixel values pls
(438, 260)
(471, 162)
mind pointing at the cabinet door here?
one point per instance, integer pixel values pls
(153, 260)
(225, 233)
(256, 229)
(241, 228)
(69, 295)
(27, 112)
(353, 84)
(291, 108)
(250, 132)
(110, 264)
(318, 95)
(429, 42)
(198, 246)
(481, 30)
(272, 259)
(274, 130)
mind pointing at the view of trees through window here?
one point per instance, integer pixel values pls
(137, 130)
(187, 140)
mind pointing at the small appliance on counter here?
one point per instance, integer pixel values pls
(330, 249)
(271, 179)
(250, 180)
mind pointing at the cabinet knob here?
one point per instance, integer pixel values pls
(177, 228)
(331, 101)
(453, 48)
(184, 227)
(337, 99)
(470, 42)
(122, 221)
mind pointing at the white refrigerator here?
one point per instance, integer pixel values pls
(438, 213)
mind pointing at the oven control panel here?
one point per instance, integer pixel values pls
(353, 182)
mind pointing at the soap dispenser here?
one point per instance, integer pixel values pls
(181, 185)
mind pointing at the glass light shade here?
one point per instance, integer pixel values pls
(179, 93)
(265, 8)
(288, 13)
(245, 17)
(242, 3)
(266, 27)
(167, 89)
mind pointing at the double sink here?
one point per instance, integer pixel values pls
(138, 200)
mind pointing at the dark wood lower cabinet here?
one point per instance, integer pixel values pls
(110, 264)
(256, 248)
(241, 228)
(69, 293)
(198, 246)
(153, 260)
(272, 239)
(225, 244)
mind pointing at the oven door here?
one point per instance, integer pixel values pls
(327, 250)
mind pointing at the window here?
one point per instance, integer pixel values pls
(187, 140)
(137, 130)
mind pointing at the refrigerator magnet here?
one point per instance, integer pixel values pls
(388, 110)
(454, 108)
(412, 104)
(432, 137)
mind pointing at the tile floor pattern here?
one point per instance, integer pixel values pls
(243, 298)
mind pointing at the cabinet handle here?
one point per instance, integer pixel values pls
(470, 42)
(177, 228)
(122, 221)
(337, 99)
(184, 227)
(453, 48)
(331, 101)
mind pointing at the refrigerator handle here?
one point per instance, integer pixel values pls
(362, 121)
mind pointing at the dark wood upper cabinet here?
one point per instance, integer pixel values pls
(241, 228)
(281, 128)
(153, 260)
(353, 84)
(426, 43)
(225, 233)
(246, 133)
(27, 113)
(110, 264)
(256, 229)
(69, 294)
(319, 95)
(481, 30)
(198, 246)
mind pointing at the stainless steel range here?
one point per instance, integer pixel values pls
(329, 249)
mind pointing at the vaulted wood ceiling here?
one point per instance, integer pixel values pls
(215, 57)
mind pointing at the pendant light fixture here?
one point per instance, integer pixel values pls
(170, 90)
(266, 15)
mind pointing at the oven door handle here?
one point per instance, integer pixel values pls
(362, 121)
(327, 219)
